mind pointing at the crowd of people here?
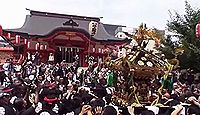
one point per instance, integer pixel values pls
(62, 89)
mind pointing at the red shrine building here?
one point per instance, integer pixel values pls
(63, 36)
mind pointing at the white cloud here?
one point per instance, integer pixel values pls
(120, 12)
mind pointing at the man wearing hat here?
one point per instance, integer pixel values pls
(49, 97)
(2, 76)
(8, 69)
(6, 107)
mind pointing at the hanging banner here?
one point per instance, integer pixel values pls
(93, 27)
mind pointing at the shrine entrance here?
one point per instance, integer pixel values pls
(66, 53)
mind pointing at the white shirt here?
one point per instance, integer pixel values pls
(51, 58)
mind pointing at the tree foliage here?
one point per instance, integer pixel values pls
(183, 26)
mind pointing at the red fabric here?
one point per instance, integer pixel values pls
(7, 90)
(50, 101)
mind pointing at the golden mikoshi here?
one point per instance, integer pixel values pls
(143, 65)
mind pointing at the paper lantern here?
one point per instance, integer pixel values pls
(17, 39)
(28, 45)
(93, 26)
(45, 47)
(93, 49)
(198, 30)
(9, 36)
(41, 47)
(25, 41)
(99, 50)
(37, 46)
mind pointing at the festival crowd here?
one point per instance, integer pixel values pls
(52, 88)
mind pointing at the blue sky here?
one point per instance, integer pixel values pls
(130, 13)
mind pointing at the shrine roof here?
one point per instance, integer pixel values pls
(39, 23)
(112, 29)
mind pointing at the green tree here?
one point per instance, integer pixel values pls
(184, 28)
